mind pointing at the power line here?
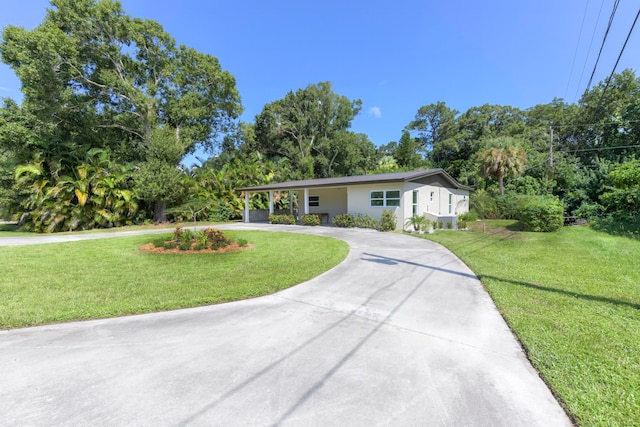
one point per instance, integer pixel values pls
(604, 39)
(593, 124)
(586, 59)
(598, 148)
(575, 53)
(606, 86)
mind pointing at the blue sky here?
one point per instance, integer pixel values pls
(394, 56)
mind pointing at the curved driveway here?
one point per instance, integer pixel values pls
(400, 334)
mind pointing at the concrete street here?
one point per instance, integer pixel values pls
(400, 334)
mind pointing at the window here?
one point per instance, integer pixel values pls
(415, 202)
(385, 198)
(314, 201)
(377, 198)
(450, 203)
(431, 196)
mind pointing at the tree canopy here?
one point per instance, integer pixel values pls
(310, 128)
(112, 104)
(94, 77)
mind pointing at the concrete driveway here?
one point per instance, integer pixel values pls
(400, 334)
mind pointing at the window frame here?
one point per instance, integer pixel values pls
(385, 199)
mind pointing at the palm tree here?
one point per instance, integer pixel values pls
(419, 222)
(499, 162)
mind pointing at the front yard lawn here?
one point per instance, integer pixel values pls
(573, 300)
(111, 277)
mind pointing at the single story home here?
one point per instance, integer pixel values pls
(432, 193)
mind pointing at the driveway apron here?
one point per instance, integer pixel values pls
(401, 333)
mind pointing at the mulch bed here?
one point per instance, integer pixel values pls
(233, 247)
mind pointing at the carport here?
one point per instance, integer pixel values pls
(319, 197)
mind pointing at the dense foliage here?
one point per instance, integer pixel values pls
(112, 104)
(541, 213)
(93, 77)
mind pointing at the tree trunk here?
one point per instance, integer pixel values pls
(159, 214)
(501, 183)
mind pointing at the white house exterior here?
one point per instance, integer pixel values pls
(432, 193)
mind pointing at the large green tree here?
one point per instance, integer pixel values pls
(433, 124)
(307, 127)
(502, 158)
(608, 125)
(96, 77)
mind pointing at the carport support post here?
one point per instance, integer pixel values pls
(246, 207)
(291, 202)
(306, 201)
(270, 202)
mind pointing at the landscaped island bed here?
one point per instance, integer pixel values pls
(573, 299)
(112, 277)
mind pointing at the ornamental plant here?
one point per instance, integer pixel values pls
(310, 219)
(388, 221)
(365, 221)
(282, 219)
(186, 240)
(418, 222)
(344, 220)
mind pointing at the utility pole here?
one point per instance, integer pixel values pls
(550, 157)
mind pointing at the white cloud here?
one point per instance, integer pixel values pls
(375, 112)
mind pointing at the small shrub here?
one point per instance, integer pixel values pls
(468, 217)
(289, 219)
(418, 222)
(177, 233)
(185, 245)
(187, 236)
(462, 224)
(282, 219)
(449, 225)
(365, 221)
(242, 242)
(170, 244)
(202, 238)
(343, 220)
(216, 238)
(388, 221)
(542, 213)
(310, 219)
(200, 246)
(440, 224)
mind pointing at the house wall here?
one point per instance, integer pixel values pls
(359, 201)
(331, 200)
(433, 201)
(434, 198)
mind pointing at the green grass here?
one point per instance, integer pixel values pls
(573, 300)
(11, 230)
(111, 277)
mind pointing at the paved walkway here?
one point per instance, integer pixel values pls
(400, 334)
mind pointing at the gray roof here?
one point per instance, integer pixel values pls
(359, 179)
